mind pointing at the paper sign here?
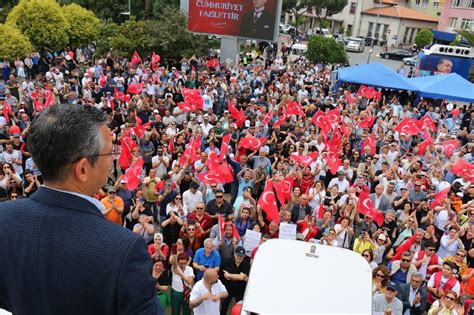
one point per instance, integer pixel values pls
(252, 240)
(287, 231)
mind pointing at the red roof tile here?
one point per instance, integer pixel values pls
(400, 12)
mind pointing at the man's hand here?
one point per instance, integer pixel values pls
(207, 296)
(216, 298)
(416, 300)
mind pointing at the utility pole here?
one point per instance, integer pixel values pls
(375, 31)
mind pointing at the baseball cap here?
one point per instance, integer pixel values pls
(393, 286)
(111, 189)
(240, 251)
(123, 181)
(16, 135)
(382, 237)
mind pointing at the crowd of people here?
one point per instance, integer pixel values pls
(188, 119)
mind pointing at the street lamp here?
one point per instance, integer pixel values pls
(375, 31)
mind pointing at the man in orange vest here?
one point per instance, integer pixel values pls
(440, 282)
(426, 261)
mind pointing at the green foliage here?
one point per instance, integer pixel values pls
(14, 43)
(167, 36)
(83, 25)
(4, 12)
(325, 8)
(326, 50)
(42, 21)
(107, 30)
(423, 37)
(468, 35)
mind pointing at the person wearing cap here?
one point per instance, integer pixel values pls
(234, 274)
(387, 303)
(416, 193)
(113, 206)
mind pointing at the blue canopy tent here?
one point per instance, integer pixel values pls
(444, 86)
(374, 74)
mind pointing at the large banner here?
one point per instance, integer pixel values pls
(435, 63)
(253, 19)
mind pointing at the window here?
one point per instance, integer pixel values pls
(385, 31)
(467, 24)
(417, 3)
(425, 3)
(435, 5)
(353, 8)
(453, 22)
(377, 30)
(457, 3)
(370, 29)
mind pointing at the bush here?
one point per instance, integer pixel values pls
(83, 25)
(423, 37)
(42, 21)
(14, 43)
(326, 50)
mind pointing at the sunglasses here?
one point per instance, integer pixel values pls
(199, 208)
(191, 229)
(178, 198)
(461, 255)
(406, 260)
(430, 249)
(365, 255)
(379, 275)
(219, 196)
(391, 289)
(450, 298)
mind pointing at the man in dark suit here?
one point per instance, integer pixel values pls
(259, 23)
(58, 253)
(380, 201)
(300, 210)
(413, 295)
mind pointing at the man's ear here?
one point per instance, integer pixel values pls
(81, 170)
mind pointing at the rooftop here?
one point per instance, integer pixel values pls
(400, 12)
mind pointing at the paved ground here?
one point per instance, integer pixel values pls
(361, 58)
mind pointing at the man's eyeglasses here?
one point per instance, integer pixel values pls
(406, 260)
(219, 196)
(199, 208)
(450, 298)
(115, 154)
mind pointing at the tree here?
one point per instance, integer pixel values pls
(326, 50)
(467, 34)
(107, 30)
(42, 21)
(14, 43)
(423, 37)
(133, 35)
(296, 8)
(83, 25)
(325, 8)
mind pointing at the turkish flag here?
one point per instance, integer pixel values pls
(240, 120)
(224, 147)
(154, 60)
(304, 159)
(464, 169)
(334, 143)
(252, 143)
(139, 130)
(133, 174)
(403, 247)
(121, 96)
(232, 109)
(408, 126)
(450, 146)
(367, 122)
(127, 145)
(294, 108)
(102, 80)
(377, 95)
(345, 131)
(332, 161)
(221, 174)
(212, 63)
(320, 120)
(267, 119)
(212, 160)
(280, 121)
(195, 100)
(185, 107)
(428, 122)
(334, 116)
(267, 203)
(350, 99)
(366, 207)
(48, 99)
(171, 146)
(424, 145)
(7, 111)
(283, 189)
(38, 105)
(135, 59)
(371, 143)
(366, 92)
(135, 88)
(439, 198)
(321, 210)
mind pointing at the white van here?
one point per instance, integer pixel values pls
(355, 44)
(319, 32)
(297, 51)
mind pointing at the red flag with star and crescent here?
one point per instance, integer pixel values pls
(252, 143)
(463, 169)
(439, 198)
(127, 145)
(135, 59)
(154, 60)
(221, 174)
(7, 111)
(224, 147)
(366, 207)
(133, 174)
(427, 122)
(283, 189)
(408, 126)
(304, 159)
(367, 122)
(450, 146)
(135, 88)
(222, 225)
(371, 143)
(267, 203)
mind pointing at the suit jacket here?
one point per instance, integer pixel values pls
(60, 255)
(404, 296)
(384, 204)
(296, 210)
(262, 29)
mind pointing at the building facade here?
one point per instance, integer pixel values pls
(456, 14)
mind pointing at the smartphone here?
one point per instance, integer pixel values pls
(174, 249)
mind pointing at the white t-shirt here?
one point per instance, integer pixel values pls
(161, 168)
(14, 156)
(342, 185)
(177, 282)
(443, 281)
(208, 307)
(191, 200)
